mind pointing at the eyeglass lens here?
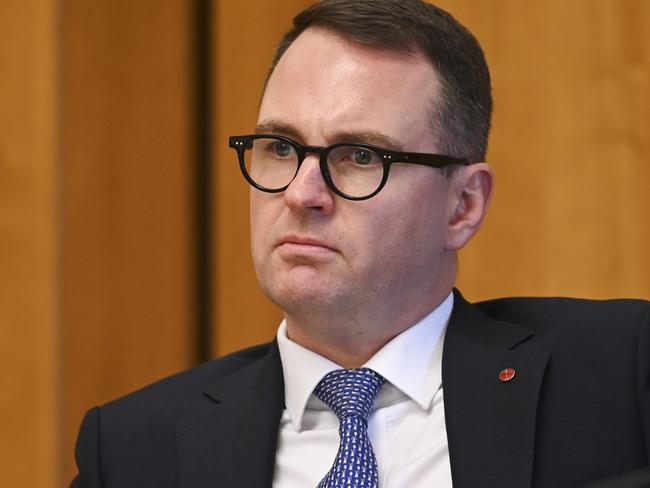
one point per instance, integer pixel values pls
(273, 163)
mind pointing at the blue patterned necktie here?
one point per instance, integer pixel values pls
(350, 394)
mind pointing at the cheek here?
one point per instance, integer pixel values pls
(411, 223)
(260, 220)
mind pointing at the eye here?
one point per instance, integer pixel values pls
(281, 149)
(362, 157)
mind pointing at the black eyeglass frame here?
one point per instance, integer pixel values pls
(388, 157)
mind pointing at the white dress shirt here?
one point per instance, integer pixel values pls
(407, 425)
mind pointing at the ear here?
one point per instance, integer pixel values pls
(470, 193)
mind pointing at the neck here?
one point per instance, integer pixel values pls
(351, 340)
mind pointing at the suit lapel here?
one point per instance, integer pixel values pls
(490, 423)
(232, 443)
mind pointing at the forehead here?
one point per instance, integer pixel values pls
(324, 85)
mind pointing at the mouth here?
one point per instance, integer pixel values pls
(293, 244)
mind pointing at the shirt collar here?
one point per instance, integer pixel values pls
(411, 362)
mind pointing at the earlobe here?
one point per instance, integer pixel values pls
(471, 191)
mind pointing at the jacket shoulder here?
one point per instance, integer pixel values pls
(182, 392)
(138, 431)
(589, 331)
(542, 314)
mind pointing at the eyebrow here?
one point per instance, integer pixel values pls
(275, 127)
(362, 137)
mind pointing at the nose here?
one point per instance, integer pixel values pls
(308, 189)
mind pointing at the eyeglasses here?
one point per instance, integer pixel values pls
(352, 171)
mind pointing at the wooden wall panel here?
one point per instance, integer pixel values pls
(570, 145)
(127, 211)
(29, 371)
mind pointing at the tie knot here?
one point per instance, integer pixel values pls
(350, 392)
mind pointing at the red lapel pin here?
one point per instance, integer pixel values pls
(507, 374)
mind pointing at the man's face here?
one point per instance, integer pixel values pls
(316, 253)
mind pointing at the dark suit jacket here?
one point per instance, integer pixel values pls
(577, 410)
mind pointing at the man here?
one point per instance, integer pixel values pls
(368, 175)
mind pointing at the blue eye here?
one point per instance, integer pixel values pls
(282, 149)
(362, 157)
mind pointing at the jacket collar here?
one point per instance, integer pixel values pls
(490, 423)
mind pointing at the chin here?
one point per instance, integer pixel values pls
(295, 297)
(292, 286)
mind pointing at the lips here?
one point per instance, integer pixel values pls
(304, 245)
(304, 241)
